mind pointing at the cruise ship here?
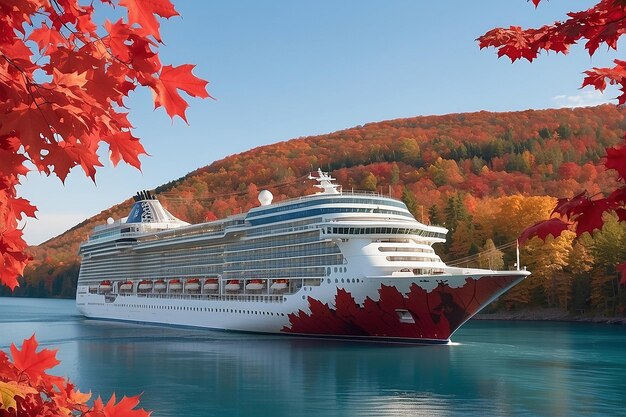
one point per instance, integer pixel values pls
(332, 264)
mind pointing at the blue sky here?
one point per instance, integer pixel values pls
(282, 69)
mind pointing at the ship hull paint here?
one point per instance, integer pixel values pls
(418, 314)
(364, 309)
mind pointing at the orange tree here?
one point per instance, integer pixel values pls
(63, 82)
(602, 24)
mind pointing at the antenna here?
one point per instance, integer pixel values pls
(517, 252)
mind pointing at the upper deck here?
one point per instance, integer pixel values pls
(366, 213)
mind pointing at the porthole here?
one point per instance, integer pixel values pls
(336, 280)
(335, 269)
(342, 280)
(328, 280)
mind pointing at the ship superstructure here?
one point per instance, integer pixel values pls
(335, 264)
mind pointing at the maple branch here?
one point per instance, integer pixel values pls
(77, 34)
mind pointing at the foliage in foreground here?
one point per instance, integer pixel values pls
(63, 83)
(602, 24)
(27, 390)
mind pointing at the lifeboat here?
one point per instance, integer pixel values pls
(175, 285)
(160, 285)
(232, 285)
(192, 285)
(279, 285)
(105, 286)
(145, 285)
(126, 286)
(211, 284)
(254, 285)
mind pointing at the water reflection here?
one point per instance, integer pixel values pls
(505, 369)
(215, 373)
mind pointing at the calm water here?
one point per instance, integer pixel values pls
(493, 368)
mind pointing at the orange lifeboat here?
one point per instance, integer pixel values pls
(160, 285)
(145, 285)
(211, 284)
(254, 285)
(279, 285)
(126, 286)
(192, 285)
(232, 285)
(105, 286)
(176, 285)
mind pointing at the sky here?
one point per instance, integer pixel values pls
(282, 69)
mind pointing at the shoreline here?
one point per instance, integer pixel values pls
(548, 315)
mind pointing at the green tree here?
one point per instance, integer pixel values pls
(455, 212)
(369, 182)
(608, 249)
(434, 216)
(395, 174)
(409, 151)
(408, 198)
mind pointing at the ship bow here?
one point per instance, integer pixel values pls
(417, 315)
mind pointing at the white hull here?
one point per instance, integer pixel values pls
(277, 313)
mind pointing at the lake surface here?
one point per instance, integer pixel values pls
(491, 368)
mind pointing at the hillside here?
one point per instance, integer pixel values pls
(449, 169)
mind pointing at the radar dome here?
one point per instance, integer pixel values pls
(110, 220)
(265, 198)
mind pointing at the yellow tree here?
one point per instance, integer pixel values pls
(547, 260)
(462, 239)
(491, 257)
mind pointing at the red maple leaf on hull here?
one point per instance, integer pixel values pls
(436, 314)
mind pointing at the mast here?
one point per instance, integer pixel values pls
(517, 252)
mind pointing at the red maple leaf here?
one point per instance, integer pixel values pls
(173, 79)
(47, 39)
(142, 13)
(21, 205)
(124, 408)
(566, 206)
(544, 228)
(8, 274)
(33, 363)
(589, 215)
(124, 146)
(616, 159)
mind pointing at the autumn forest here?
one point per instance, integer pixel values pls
(485, 176)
